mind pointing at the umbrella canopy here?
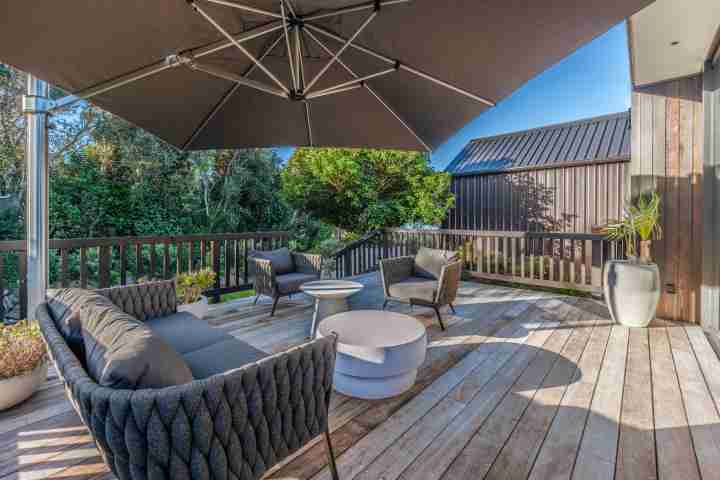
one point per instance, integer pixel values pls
(254, 73)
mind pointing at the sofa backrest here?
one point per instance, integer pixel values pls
(144, 301)
(429, 262)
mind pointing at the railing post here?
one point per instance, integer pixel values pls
(104, 267)
(35, 105)
(215, 252)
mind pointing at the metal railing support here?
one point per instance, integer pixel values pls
(35, 108)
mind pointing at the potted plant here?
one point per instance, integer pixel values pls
(23, 362)
(632, 286)
(190, 288)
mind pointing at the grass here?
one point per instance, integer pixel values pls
(237, 295)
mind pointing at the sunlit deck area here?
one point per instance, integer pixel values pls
(522, 384)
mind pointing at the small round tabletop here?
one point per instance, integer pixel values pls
(331, 289)
(373, 328)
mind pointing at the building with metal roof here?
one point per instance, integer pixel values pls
(563, 177)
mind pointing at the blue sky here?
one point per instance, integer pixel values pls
(594, 80)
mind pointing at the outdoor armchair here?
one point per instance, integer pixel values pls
(431, 279)
(280, 273)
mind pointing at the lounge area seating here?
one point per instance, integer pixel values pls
(281, 273)
(165, 395)
(430, 278)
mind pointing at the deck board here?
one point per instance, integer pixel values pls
(521, 385)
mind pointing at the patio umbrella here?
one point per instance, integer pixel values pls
(252, 73)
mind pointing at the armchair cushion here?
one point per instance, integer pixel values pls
(416, 288)
(291, 282)
(221, 357)
(122, 352)
(281, 259)
(429, 262)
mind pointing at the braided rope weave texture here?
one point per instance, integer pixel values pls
(235, 425)
(144, 301)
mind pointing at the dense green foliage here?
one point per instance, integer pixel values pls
(109, 178)
(361, 190)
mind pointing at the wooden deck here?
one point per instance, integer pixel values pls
(521, 385)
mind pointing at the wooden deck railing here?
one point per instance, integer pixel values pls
(560, 260)
(104, 262)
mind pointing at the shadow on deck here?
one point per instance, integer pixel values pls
(522, 384)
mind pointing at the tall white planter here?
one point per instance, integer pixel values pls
(632, 292)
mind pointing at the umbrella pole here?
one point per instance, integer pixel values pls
(35, 107)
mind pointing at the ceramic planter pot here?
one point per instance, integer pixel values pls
(199, 308)
(18, 389)
(632, 292)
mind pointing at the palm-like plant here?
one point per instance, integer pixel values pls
(640, 221)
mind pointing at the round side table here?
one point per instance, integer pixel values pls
(378, 352)
(330, 298)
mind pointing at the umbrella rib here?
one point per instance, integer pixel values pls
(308, 123)
(347, 43)
(354, 82)
(352, 9)
(246, 8)
(373, 93)
(403, 66)
(287, 44)
(244, 50)
(298, 59)
(226, 97)
(158, 67)
(334, 91)
(217, 72)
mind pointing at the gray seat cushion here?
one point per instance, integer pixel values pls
(415, 288)
(221, 357)
(122, 352)
(291, 282)
(281, 259)
(185, 332)
(64, 306)
(429, 262)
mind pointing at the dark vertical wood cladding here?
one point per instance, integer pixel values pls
(566, 199)
(667, 129)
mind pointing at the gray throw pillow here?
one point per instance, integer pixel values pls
(281, 259)
(122, 352)
(429, 262)
(64, 306)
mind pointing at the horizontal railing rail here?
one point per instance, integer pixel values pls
(552, 259)
(111, 261)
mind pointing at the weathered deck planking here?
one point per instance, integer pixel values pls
(521, 385)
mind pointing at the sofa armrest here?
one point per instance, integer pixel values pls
(144, 301)
(264, 276)
(449, 283)
(308, 263)
(394, 270)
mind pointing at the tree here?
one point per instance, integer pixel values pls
(361, 190)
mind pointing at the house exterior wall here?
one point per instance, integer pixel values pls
(667, 144)
(565, 199)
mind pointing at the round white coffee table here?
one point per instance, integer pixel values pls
(330, 298)
(378, 352)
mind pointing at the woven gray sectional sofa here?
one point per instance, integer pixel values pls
(166, 396)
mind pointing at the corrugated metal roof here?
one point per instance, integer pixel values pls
(588, 140)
